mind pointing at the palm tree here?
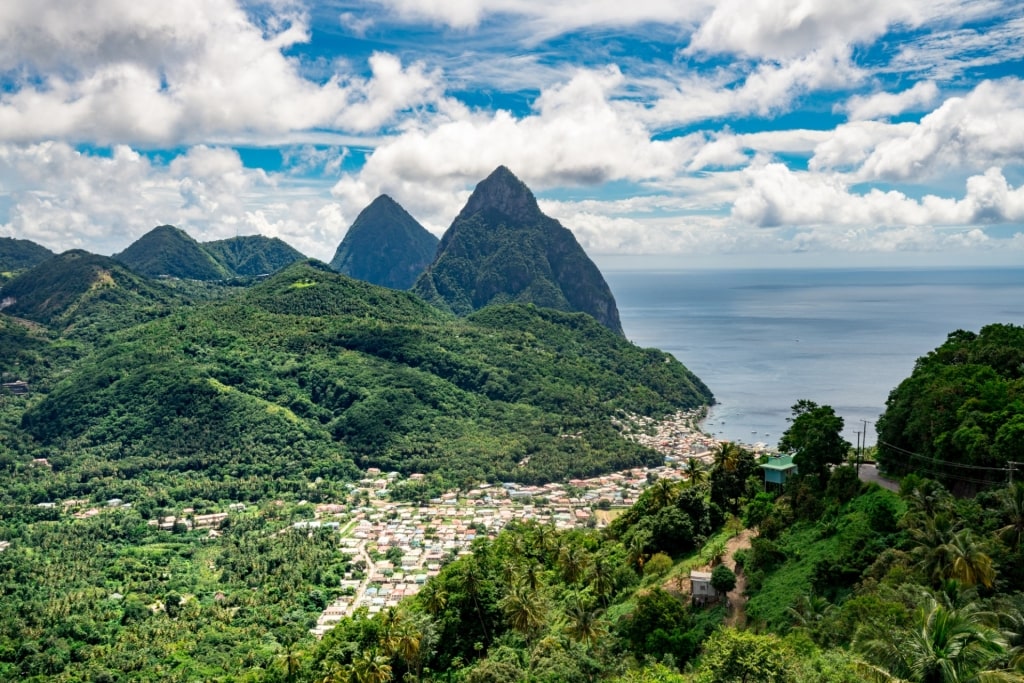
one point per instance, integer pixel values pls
(434, 597)
(602, 578)
(664, 493)
(1013, 510)
(727, 456)
(472, 581)
(930, 551)
(573, 560)
(404, 641)
(291, 660)
(584, 623)
(696, 473)
(524, 609)
(968, 563)
(370, 667)
(944, 645)
(809, 610)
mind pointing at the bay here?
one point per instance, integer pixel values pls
(764, 339)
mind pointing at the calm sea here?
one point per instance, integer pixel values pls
(763, 339)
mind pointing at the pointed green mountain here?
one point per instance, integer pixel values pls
(385, 246)
(502, 249)
(252, 255)
(21, 254)
(166, 251)
(310, 370)
(84, 293)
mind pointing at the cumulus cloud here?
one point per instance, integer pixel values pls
(576, 135)
(776, 196)
(122, 71)
(883, 104)
(780, 29)
(63, 198)
(983, 128)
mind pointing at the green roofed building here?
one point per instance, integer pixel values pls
(778, 469)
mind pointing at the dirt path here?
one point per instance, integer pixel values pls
(737, 612)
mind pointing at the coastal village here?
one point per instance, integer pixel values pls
(397, 546)
(426, 536)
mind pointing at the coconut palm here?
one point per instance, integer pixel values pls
(573, 560)
(943, 645)
(472, 581)
(584, 623)
(727, 456)
(930, 552)
(404, 641)
(434, 597)
(696, 472)
(1013, 511)
(524, 609)
(664, 492)
(602, 578)
(370, 667)
(809, 610)
(968, 563)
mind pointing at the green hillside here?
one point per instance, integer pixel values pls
(85, 295)
(18, 254)
(166, 251)
(959, 417)
(252, 255)
(311, 369)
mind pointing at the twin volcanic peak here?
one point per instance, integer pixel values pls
(385, 246)
(502, 249)
(167, 251)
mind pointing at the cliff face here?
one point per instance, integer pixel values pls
(385, 246)
(502, 249)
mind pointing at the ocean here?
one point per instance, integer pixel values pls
(764, 339)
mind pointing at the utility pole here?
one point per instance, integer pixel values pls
(856, 454)
(864, 442)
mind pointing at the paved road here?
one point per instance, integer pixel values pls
(870, 473)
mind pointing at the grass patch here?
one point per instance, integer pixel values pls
(803, 548)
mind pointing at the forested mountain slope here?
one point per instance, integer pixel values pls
(501, 249)
(310, 370)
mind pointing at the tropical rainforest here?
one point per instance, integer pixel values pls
(147, 400)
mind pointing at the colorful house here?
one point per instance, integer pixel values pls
(778, 470)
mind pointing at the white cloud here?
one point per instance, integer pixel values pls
(883, 104)
(781, 29)
(576, 135)
(947, 53)
(983, 128)
(545, 17)
(124, 71)
(65, 199)
(769, 88)
(777, 196)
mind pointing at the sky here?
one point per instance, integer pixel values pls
(747, 133)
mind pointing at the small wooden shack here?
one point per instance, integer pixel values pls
(700, 587)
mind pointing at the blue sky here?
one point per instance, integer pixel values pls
(663, 133)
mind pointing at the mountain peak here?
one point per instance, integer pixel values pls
(385, 246)
(502, 249)
(503, 192)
